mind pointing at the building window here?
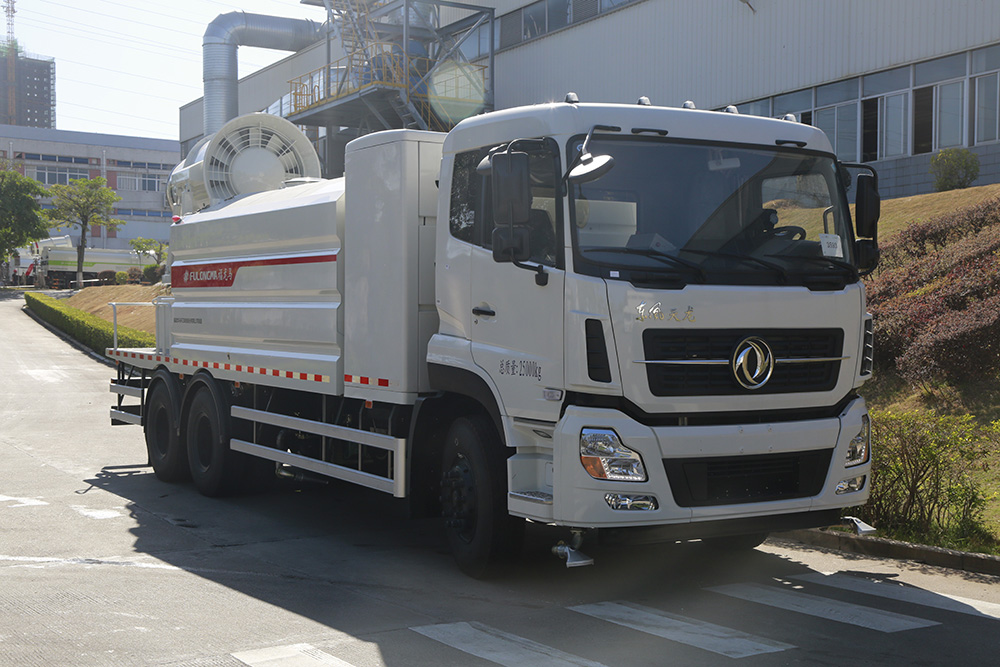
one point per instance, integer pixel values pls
(59, 175)
(542, 17)
(892, 115)
(950, 114)
(140, 182)
(533, 21)
(758, 108)
(986, 91)
(840, 123)
(923, 120)
(795, 103)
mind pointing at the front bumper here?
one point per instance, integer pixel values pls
(729, 473)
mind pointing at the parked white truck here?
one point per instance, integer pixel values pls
(624, 320)
(57, 262)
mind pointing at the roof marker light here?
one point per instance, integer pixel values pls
(689, 105)
(732, 109)
(644, 102)
(571, 98)
(790, 117)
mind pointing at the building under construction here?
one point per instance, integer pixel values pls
(27, 88)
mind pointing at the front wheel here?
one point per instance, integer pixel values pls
(483, 537)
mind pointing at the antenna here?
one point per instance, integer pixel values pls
(8, 7)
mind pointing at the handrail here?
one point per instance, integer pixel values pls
(388, 66)
(114, 316)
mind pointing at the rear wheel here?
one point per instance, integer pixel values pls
(215, 468)
(483, 537)
(167, 454)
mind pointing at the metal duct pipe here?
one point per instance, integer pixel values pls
(223, 36)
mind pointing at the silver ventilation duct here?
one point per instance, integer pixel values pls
(223, 36)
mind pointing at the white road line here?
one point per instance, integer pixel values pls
(500, 647)
(834, 610)
(690, 631)
(95, 514)
(21, 502)
(895, 591)
(294, 655)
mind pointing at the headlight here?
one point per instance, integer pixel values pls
(605, 457)
(859, 449)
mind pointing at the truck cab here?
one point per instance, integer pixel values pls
(666, 306)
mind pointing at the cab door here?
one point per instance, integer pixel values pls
(517, 310)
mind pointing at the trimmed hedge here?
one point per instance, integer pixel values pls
(87, 329)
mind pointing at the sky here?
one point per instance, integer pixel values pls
(127, 66)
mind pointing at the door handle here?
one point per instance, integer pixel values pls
(483, 312)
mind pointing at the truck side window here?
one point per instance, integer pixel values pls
(466, 185)
(471, 211)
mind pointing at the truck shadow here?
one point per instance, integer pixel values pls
(352, 560)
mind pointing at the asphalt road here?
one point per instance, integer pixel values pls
(102, 564)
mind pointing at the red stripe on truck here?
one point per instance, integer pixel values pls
(223, 273)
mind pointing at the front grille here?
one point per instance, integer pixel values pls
(695, 379)
(730, 480)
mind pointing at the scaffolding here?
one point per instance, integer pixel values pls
(400, 68)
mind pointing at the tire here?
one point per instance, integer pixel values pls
(166, 452)
(484, 539)
(215, 469)
(736, 542)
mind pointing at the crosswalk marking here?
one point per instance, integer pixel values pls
(294, 655)
(500, 647)
(834, 610)
(905, 594)
(707, 636)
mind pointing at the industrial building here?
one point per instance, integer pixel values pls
(135, 168)
(891, 82)
(27, 88)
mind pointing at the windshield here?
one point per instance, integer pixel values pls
(682, 212)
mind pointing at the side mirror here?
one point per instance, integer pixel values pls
(510, 244)
(511, 189)
(867, 207)
(866, 254)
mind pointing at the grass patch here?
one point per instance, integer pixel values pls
(897, 214)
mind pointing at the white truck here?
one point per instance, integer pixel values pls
(623, 320)
(57, 263)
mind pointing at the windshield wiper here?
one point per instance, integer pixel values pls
(838, 263)
(742, 258)
(653, 254)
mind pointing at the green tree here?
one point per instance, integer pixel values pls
(81, 204)
(141, 246)
(21, 217)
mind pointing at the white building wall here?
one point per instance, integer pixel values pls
(717, 52)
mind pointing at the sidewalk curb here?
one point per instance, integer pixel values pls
(885, 548)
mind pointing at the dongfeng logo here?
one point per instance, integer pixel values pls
(752, 363)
